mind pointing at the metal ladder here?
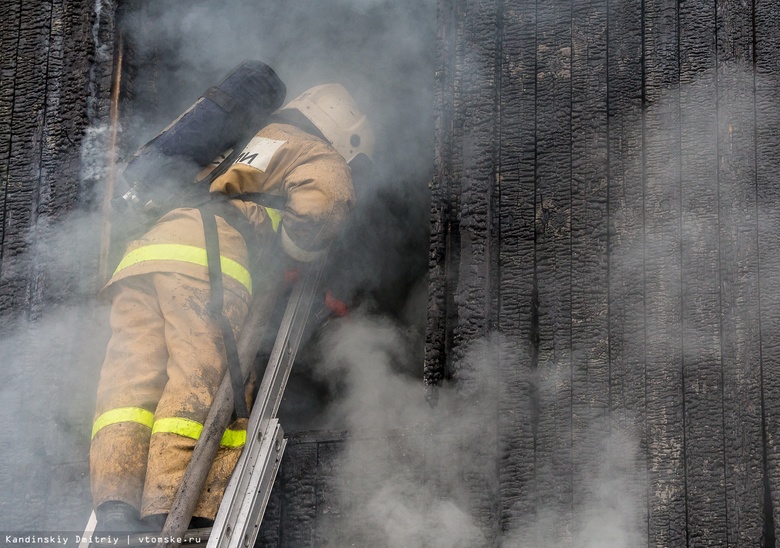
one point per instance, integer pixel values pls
(246, 496)
(241, 512)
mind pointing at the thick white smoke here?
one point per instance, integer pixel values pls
(403, 477)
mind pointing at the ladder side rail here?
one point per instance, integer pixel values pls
(255, 470)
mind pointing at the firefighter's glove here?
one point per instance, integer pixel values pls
(328, 308)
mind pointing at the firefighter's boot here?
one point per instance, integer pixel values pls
(115, 516)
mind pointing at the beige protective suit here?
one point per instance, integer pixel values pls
(166, 356)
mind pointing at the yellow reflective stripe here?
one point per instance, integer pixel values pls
(276, 216)
(192, 429)
(123, 414)
(186, 254)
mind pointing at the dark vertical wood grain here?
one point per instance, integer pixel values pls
(740, 341)
(627, 332)
(515, 211)
(477, 96)
(553, 456)
(700, 264)
(589, 260)
(20, 192)
(767, 161)
(299, 503)
(665, 422)
(443, 204)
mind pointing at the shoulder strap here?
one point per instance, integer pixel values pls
(265, 199)
(216, 305)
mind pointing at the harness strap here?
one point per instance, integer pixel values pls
(264, 199)
(216, 307)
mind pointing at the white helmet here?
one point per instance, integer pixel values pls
(334, 112)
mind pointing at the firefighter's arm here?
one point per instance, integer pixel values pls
(259, 168)
(319, 199)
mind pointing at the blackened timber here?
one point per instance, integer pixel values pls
(476, 88)
(740, 341)
(553, 458)
(626, 252)
(50, 136)
(667, 518)
(20, 189)
(589, 261)
(767, 160)
(299, 504)
(515, 211)
(475, 294)
(69, 73)
(443, 204)
(328, 505)
(270, 528)
(700, 268)
(10, 23)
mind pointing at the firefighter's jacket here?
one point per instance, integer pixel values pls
(281, 160)
(165, 357)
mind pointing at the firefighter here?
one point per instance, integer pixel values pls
(166, 355)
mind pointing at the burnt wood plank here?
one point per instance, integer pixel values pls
(69, 73)
(740, 343)
(9, 44)
(767, 91)
(553, 458)
(327, 492)
(22, 177)
(626, 323)
(515, 211)
(477, 92)
(299, 505)
(700, 266)
(589, 269)
(443, 203)
(662, 264)
(475, 292)
(270, 528)
(458, 22)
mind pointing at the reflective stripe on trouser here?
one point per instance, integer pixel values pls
(173, 425)
(165, 356)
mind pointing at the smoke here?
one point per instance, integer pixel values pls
(415, 475)
(50, 371)
(386, 494)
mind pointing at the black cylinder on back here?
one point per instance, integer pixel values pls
(224, 116)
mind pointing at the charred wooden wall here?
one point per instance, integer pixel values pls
(606, 197)
(56, 63)
(55, 71)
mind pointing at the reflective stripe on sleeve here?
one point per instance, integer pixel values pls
(276, 217)
(187, 254)
(192, 429)
(123, 414)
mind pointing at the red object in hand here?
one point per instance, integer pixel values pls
(337, 307)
